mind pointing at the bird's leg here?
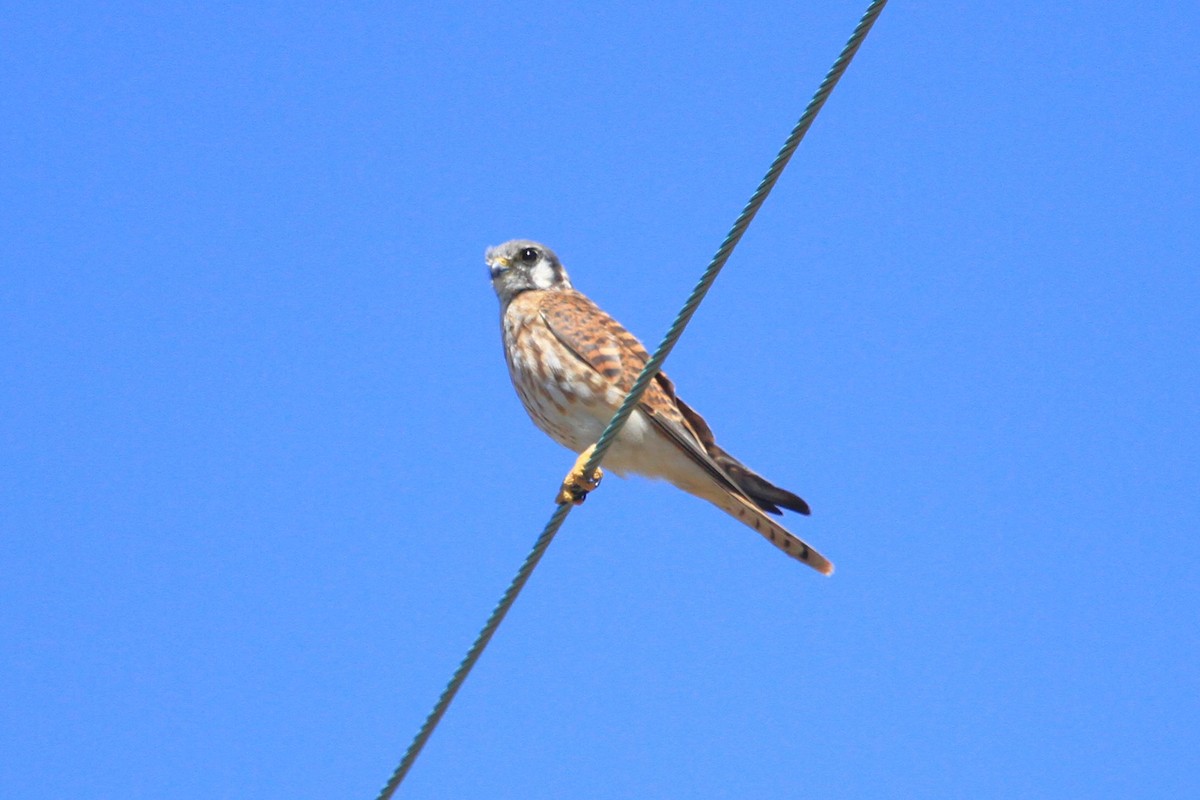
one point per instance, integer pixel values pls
(576, 485)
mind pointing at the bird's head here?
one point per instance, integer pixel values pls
(520, 265)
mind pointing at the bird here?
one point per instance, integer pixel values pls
(572, 364)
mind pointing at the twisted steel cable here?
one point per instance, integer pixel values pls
(639, 388)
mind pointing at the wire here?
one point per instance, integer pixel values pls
(639, 388)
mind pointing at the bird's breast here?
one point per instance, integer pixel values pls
(564, 397)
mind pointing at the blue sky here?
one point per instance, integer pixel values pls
(262, 474)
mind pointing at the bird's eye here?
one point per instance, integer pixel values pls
(529, 255)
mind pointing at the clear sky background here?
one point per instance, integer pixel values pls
(263, 476)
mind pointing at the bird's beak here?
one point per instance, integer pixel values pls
(498, 265)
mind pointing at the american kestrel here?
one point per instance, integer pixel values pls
(572, 365)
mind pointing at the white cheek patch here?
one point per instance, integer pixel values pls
(542, 275)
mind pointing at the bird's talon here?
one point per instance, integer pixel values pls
(571, 494)
(576, 485)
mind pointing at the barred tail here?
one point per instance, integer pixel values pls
(752, 517)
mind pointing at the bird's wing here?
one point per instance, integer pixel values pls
(600, 342)
(765, 494)
(606, 346)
